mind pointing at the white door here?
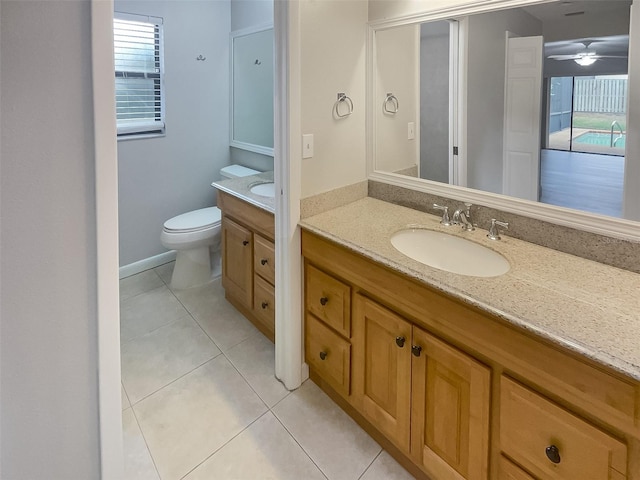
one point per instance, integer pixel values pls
(523, 102)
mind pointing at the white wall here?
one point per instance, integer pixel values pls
(485, 92)
(49, 377)
(249, 13)
(397, 72)
(245, 14)
(333, 46)
(165, 176)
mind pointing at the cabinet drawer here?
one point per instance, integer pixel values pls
(509, 471)
(264, 306)
(328, 299)
(264, 259)
(553, 443)
(328, 354)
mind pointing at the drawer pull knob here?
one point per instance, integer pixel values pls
(324, 301)
(323, 355)
(265, 305)
(553, 453)
(400, 341)
(245, 242)
(264, 261)
(416, 350)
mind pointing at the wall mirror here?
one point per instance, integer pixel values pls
(524, 109)
(251, 122)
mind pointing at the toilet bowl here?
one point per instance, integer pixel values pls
(195, 236)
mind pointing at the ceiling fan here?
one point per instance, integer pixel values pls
(584, 57)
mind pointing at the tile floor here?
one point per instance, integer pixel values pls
(200, 400)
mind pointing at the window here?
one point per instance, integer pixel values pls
(139, 74)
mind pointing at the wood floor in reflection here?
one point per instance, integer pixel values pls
(583, 181)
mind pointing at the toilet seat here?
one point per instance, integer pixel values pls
(194, 221)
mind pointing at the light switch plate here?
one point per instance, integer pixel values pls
(307, 145)
(411, 131)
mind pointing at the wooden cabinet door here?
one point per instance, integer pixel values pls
(237, 258)
(381, 369)
(509, 471)
(450, 410)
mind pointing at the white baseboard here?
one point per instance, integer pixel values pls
(146, 264)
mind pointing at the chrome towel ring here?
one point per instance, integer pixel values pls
(343, 98)
(390, 104)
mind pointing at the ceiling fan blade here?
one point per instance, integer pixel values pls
(564, 57)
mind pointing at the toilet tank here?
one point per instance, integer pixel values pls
(235, 171)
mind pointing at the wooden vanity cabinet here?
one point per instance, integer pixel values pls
(454, 393)
(248, 261)
(237, 256)
(428, 398)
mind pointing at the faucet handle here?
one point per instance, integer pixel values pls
(445, 214)
(494, 232)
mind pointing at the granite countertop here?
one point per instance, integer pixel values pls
(241, 188)
(586, 307)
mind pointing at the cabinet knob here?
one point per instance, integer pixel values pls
(265, 305)
(323, 301)
(400, 341)
(245, 242)
(416, 350)
(323, 355)
(264, 261)
(553, 453)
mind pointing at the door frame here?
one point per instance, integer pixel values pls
(290, 366)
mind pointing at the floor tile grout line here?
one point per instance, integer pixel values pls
(143, 293)
(247, 380)
(372, 462)
(300, 445)
(158, 328)
(153, 460)
(227, 442)
(176, 379)
(125, 394)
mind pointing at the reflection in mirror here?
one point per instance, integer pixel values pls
(252, 90)
(528, 102)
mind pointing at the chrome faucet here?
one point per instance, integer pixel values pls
(494, 232)
(445, 214)
(462, 216)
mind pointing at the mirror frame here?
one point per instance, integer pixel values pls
(251, 147)
(594, 223)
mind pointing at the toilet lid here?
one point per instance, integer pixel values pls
(195, 220)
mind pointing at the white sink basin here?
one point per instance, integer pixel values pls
(264, 189)
(450, 253)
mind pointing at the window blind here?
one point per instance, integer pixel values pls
(139, 74)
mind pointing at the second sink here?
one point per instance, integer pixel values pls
(450, 253)
(264, 189)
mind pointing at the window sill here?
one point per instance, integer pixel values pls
(140, 136)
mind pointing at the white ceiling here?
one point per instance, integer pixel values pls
(575, 10)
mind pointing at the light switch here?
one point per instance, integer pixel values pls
(307, 145)
(411, 131)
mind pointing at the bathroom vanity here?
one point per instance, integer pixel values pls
(248, 250)
(533, 374)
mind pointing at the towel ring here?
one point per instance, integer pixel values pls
(393, 101)
(343, 98)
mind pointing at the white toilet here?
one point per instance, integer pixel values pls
(195, 236)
